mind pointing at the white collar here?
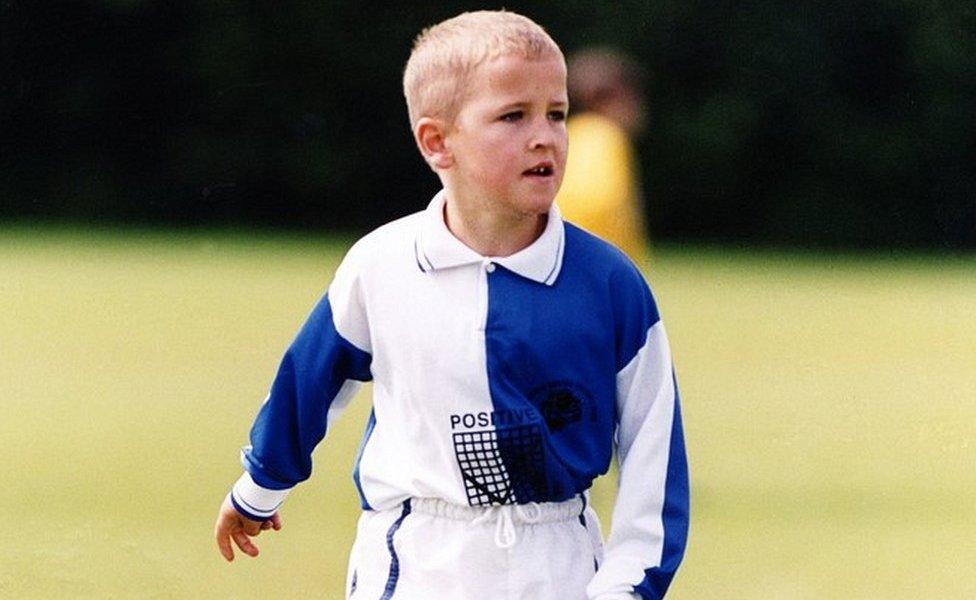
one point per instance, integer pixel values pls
(437, 248)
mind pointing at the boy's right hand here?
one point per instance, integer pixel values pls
(233, 525)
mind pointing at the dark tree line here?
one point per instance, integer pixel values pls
(800, 122)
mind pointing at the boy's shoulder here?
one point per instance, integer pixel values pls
(589, 258)
(389, 241)
(591, 263)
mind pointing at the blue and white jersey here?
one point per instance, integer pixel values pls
(495, 381)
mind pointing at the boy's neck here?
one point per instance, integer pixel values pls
(491, 234)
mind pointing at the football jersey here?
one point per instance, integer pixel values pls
(496, 380)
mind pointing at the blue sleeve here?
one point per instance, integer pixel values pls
(674, 514)
(650, 518)
(310, 382)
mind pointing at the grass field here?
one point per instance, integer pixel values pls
(829, 405)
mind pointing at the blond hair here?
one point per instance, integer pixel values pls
(445, 55)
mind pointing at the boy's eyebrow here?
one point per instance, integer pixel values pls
(523, 104)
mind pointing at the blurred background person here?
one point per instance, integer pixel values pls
(601, 191)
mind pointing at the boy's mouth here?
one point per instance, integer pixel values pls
(543, 169)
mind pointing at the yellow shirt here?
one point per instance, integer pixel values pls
(599, 191)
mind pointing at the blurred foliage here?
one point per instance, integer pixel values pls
(807, 123)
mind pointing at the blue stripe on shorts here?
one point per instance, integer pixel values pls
(391, 580)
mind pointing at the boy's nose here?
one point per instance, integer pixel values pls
(542, 136)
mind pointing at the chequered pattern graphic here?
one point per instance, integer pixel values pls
(486, 479)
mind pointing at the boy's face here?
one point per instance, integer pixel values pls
(508, 140)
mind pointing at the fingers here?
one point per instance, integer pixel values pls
(223, 544)
(222, 534)
(231, 525)
(251, 528)
(244, 543)
(272, 523)
(225, 532)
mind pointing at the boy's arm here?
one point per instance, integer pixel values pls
(318, 376)
(650, 516)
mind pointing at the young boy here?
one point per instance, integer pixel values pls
(510, 352)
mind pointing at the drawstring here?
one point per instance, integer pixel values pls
(505, 517)
(505, 536)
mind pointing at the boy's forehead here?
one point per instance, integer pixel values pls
(517, 75)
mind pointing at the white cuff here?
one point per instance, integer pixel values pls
(254, 501)
(618, 596)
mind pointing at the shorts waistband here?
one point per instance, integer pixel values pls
(541, 512)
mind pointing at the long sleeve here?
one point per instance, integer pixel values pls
(318, 376)
(650, 517)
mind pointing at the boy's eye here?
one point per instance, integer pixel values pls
(515, 115)
(557, 115)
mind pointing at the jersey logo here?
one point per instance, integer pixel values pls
(561, 408)
(501, 466)
(502, 454)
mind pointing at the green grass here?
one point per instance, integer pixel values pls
(829, 405)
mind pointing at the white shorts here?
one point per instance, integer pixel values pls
(427, 549)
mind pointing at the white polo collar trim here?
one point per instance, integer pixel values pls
(437, 248)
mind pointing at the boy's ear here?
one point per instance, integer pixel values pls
(431, 134)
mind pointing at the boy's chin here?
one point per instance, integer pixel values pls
(541, 194)
(546, 201)
(536, 206)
